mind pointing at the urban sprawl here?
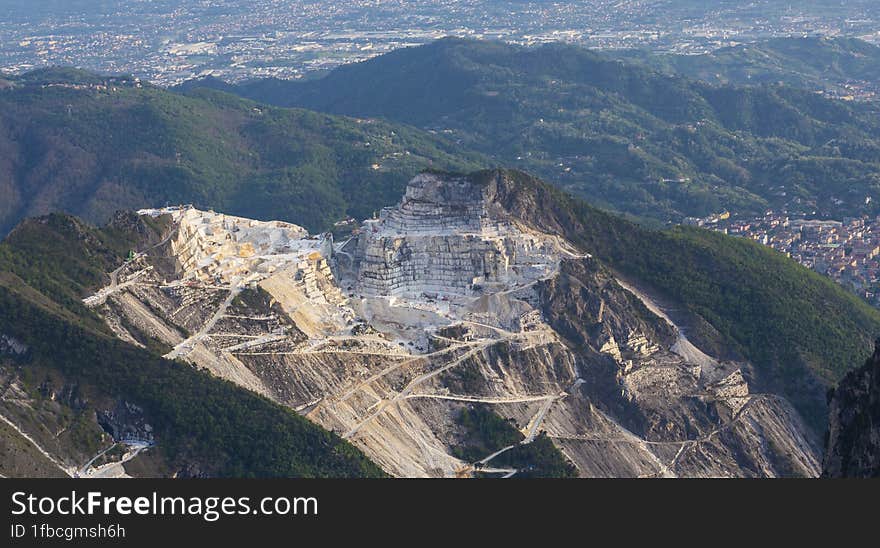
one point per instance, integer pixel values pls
(847, 251)
(168, 41)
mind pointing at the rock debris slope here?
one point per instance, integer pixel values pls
(449, 300)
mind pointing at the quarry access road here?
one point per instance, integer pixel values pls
(113, 469)
(535, 423)
(479, 346)
(526, 336)
(415, 382)
(117, 469)
(373, 378)
(100, 297)
(474, 399)
(33, 442)
(255, 341)
(537, 420)
(637, 440)
(496, 453)
(85, 467)
(185, 347)
(662, 468)
(508, 472)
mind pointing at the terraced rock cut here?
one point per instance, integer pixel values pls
(449, 337)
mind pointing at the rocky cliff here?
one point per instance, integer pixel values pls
(464, 296)
(853, 444)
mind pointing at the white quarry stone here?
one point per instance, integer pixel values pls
(610, 347)
(441, 240)
(733, 389)
(436, 304)
(214, 247)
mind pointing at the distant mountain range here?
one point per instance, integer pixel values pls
(843, 66)
(623, 135)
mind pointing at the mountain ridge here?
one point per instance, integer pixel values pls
(602, 285)
(89, 145)
(838, 64)
(642, 142)
(457, 297)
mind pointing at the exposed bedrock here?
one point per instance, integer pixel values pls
(442, 238)
(853, 444)
(462, 295)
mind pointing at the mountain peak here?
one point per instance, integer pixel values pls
(461, 297)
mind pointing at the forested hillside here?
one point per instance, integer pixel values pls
(839, 65)
(77, 142)
(618, 134)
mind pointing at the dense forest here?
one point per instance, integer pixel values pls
(620, 134)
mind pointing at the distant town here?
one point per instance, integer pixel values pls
(847, 251)
(169, 41)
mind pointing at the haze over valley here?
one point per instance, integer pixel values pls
(168, 41)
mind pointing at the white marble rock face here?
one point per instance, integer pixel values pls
(445, 301)
(441, 238)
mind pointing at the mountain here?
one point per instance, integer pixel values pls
(853, 438)
(733, 297)
(485, 325)
(621, 135)
(72, 393)
(89, 145)
(838, 65)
